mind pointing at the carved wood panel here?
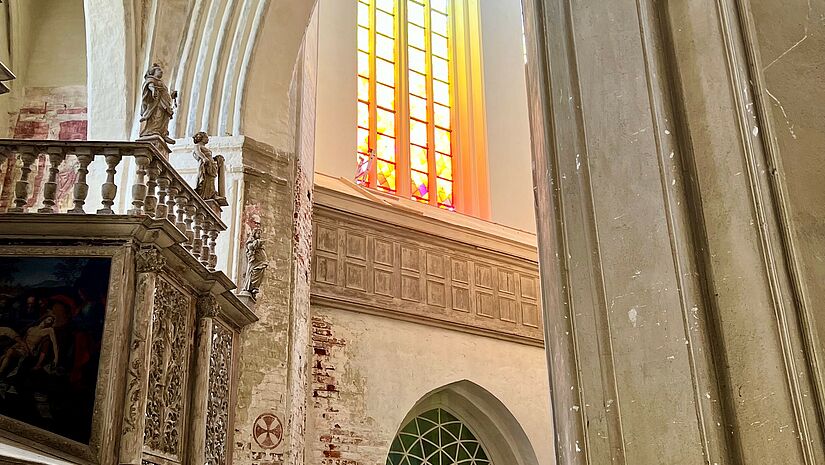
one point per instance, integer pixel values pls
(217, 409)
(363, 266)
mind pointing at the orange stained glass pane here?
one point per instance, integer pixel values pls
(420, 185)
(440, 47)
(385, 72)
(385, 23)
(440, 5)
(444, 166)
(441, 92)
(415, 13)
(364, 64)
(386, 175)
(363, 140)
(418, 159)
(418, 84)
(438, 23)
(444, 193)
(386, 148)
(363, 115)
(418, 108)
(440, 69)
(363, 14)
(385, 123)
(415, 36)
(384, 47)
(442, 115)
(363, 39)
(418, 59)
(385, 96)
(363, 89)
(418, 133)
(442, 141)
(386, 5)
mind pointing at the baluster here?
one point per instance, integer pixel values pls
(109, 189)
(151, 203)
(172, 195)
(197, 243)
(190, 217)
(139, 189)
(213, 245)
(81, 189)
(180, 201)
(56, 156)
(21, 188)
(162, 210)
(204, 255)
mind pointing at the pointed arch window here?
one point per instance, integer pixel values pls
(437, 437)
(406, 100)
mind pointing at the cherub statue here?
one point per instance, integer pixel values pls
(255, 263)
(209, 169)
(158, 105)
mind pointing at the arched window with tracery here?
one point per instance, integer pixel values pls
(437, 437)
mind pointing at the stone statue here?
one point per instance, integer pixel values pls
(158, 106)
(255, 264)
(210, 169)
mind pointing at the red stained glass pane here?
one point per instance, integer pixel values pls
(418, 133)
(444, 166)
(418, 108)
(442, 141)
(385, 175)
(385, 123)
(418, 159)
(442, 115)
(386, 148)
(420, 185)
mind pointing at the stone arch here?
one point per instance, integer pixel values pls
(490, 420)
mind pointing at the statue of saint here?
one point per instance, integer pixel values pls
(255, 263)
(209, 168)
(158, 105)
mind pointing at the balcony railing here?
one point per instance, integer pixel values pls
(157, 190)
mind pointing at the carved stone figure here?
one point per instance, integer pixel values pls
(210, 170)
(158, 106)
(255, 264)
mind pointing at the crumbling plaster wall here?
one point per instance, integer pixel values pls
(369, 371)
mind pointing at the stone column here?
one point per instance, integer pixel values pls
(672, 332)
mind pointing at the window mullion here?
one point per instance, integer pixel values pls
(431, 172)
(373, 105)
(402, 116)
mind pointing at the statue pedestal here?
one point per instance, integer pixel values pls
(247, 299)
(159, 143)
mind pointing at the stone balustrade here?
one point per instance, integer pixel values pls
(157, 189)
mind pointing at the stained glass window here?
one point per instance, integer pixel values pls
(405, 130)
(436, 438)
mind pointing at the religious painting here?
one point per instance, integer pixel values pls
(52, 312)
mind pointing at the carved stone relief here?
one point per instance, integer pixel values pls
(220, 365)
(167, 373)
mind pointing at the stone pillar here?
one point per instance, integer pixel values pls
(673, 334)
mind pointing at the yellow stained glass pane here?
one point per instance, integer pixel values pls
(415, 36)
(440, 69)
(418, 60)
(442, 116)
(364, 64)
(441, 92)
(385, 72)
(442, 141)
(444, 193)
(363, 140)
(444, 166)
(386, 148)
(385, 23)
(363, 88)
(440, 5)
(386, 5)
(420, 185)
(385, 47)
(440, 47)
(418, 108)
(363, 39)
(363, 115)
(418, 133)
(418, 84)
(363, 14)
(385, 97)
(438, 23)
(386, 175)
(415, 13)
(385, 123)
(418, 159)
